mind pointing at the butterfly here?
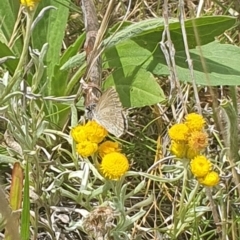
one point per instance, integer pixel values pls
(109, 112)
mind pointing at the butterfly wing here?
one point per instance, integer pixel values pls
(109, 113)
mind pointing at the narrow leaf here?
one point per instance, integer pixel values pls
(25, 218)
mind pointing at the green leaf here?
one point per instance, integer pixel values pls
(60, 79)
(8, 17)
(73, 49)
(146, 45)
(11, 64)
(148, 33)
(137, 46)
(74, 61)
(51, 29)
(136, 87)
(61, 84)
(222, 62)
(205, 29)
(14, 6)
(136, 30)
(118, 26)
(7, 159)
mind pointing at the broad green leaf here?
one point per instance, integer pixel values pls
(51, 29)
(205, 29)
(130, 53)
(136, 87)
(145, 47)
(222, 61)
(137, 29)
(148, 33)
(130, 31)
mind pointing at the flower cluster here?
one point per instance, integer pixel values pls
(88, 137)
(89, 140)
(201, 168)
(188, 140)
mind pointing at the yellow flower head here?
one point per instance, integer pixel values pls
(198, 140)
(95, 132)
(29, 3)
(114, 165)
(179, 149)
(86, 148)
(200, 166)
(194, 122)
(178, 132)
(78, 133)
(108, 147)
(210, 180)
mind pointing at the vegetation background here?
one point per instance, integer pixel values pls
(165, 59)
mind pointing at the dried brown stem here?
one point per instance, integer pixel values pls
(93, 48)
(94, 70)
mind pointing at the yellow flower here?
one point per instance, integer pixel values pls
(78, 133)
(95, 132)
(114, 165)
(108, 147)
(178, 132)
(198, 140)
(179, 149)
(29, 3)
(210, 180)
(86, 148)
(194, 122)
(200, 166)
